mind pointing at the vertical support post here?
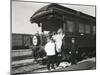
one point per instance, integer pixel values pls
(40, 32)
(64, 29)
(63, 41)
(40, 28)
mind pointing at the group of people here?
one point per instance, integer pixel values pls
(53, 49)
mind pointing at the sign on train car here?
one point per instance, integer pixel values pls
(35, 40)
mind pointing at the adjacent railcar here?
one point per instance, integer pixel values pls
(21, 41)
(79, 28)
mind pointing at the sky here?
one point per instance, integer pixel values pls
(22, 11)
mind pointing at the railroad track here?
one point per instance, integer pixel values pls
(29, 65)
(23, 62)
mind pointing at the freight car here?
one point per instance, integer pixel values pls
(79, 29)
(21, 41)
(24, 42)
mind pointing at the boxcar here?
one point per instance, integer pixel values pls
(20, 41)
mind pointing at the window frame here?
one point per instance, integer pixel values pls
(87, 29)
(93, 29)
(68, 27)
(81, 31)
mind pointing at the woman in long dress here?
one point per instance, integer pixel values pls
(58, 41)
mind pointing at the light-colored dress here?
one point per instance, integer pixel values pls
(50, 48)
(58, 41)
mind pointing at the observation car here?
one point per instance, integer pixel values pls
(79, 29)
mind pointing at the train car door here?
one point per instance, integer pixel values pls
(70, 40)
